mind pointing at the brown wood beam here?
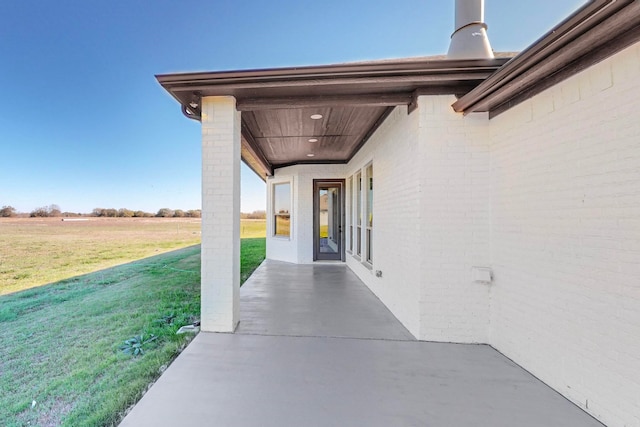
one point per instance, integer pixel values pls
(254, 150)
(458, 91)
(368, 100)
(310, 162)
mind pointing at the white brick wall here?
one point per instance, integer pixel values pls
(431, 220)
(455, 214)
(565, 186)
(220, 214)
(396, 211)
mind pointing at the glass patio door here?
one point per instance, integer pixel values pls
(328, 218)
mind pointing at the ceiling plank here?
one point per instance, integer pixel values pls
(291, 149)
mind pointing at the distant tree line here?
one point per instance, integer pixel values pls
(162, 213)
(55, 211)
(254, 215)
(8, 211)
(46, 211)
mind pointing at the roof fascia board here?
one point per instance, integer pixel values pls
(330, 71)
(599, 54)
(594, 25)
(422, 79)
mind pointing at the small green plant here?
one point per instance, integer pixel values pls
(134, 346)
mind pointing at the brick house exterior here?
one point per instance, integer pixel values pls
(537, 182)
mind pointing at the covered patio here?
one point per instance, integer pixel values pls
(315, 347)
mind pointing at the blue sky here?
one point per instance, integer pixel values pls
(84, 124)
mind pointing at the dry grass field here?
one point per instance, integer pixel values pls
(37, 251)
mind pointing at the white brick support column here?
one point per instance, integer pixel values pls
(220, 282)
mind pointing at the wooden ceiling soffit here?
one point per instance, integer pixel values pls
(293, 122)
(289, 149)
(598, 30)
(362, 139)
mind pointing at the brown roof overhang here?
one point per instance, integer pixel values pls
(372, 87)
(593, 33)
(364, 83)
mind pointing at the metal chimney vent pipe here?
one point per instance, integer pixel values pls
(470, 40)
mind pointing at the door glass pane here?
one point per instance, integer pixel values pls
(329, 220)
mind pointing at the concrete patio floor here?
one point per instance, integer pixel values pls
(316, 348)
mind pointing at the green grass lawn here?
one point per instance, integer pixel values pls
(60, 358)
(251, 228)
